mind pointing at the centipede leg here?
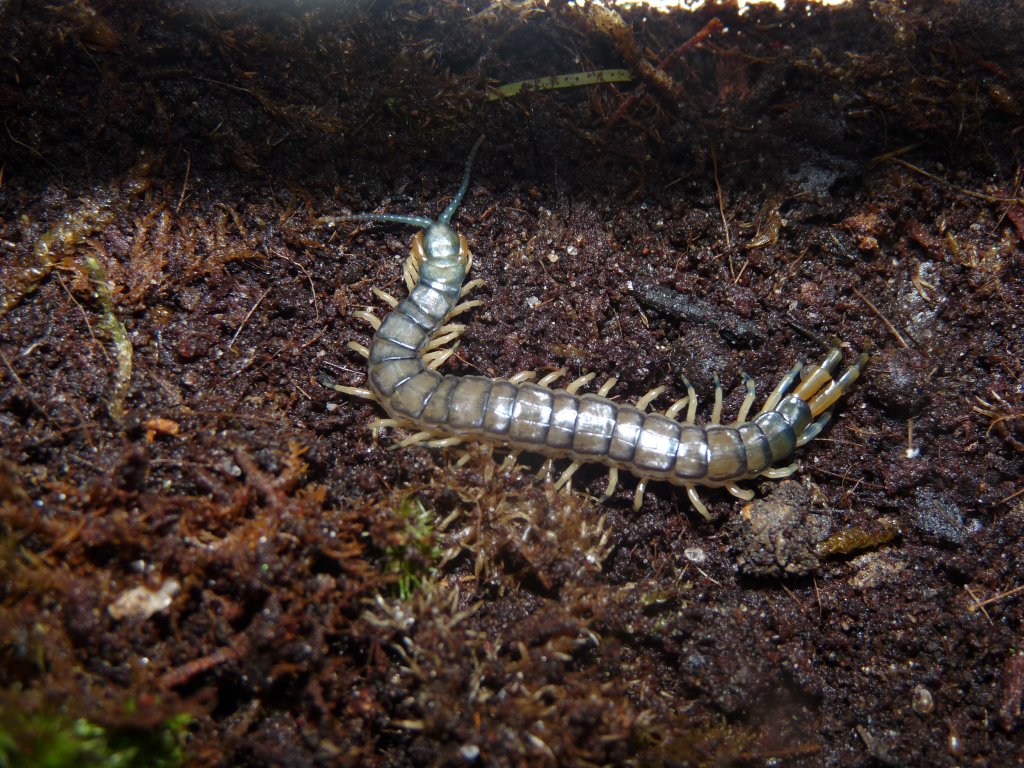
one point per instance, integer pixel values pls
(638, 499)
(691, 492)
(830, 395)
(567, 475)
(613, 481)
(776, 473)
(387, 298)
(748, 400)
(575, 385)
(545, 469)
(362, 349)
(365, 394)
(522, 376)
(411, 268)
(673, 410)
(472, 285)
(740, 493)
(781, 389)
(647, 399)
(814, 429)
(464, 307)
(413, 439)
(446, 442)
(445, 335)
(716, 412)
(819, 375)
(552, 377)
(434, 360)
(691, 395)
(607, 387)
(368, 317)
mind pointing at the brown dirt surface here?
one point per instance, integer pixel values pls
(192, 522)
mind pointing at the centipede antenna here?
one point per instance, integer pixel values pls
(390, 218)
(446, 215)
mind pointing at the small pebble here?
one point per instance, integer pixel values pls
(923, 702)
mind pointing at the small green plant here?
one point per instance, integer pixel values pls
(414, 556)
(47, 740)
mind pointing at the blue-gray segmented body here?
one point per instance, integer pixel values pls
(558, 423)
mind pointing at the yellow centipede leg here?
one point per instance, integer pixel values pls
(607, 387)
(552, 377)
(472, 285)
(574, 386)
(434, 360)
(781, 389)
(776, 473)
(567, 475)
(691, 492)
(638, 499)
(362, 349)
(545, 469)
(446, 442)
(748, 401)
(522, 376)
(353, 391)
(691, 395)
(740, 493)
(387, 298)
(368, 317)
(673, 410)
(418, 437)
(716, 412)
(463, 307)
(613, 481)
(647, 399)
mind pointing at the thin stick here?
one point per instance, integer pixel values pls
(961, 190)
(184, 184)
(21, 385)
(33, 150)
(721, 212)
(995, 598)
(977, 605)
(721, 205)
(85, 317)
(247, 316)
(709, 29)
(312, 288)
(1011, 497)
(883, 318)
(631, 99)
(740, 273)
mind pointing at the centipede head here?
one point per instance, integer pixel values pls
(439, 242)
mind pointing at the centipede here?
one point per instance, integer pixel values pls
(522, 413)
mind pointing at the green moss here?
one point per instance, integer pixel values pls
(114, 328)
(46, 740)
(416, 551)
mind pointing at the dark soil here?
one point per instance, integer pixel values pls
(173, 303)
